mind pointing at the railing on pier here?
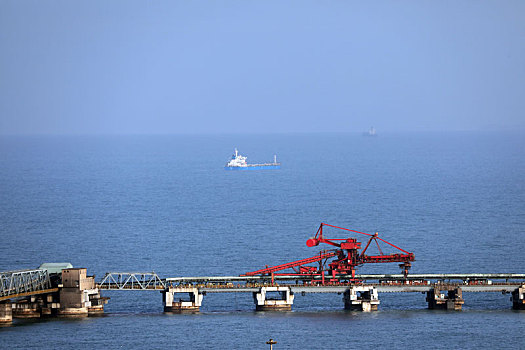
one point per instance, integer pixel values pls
(492, 282)
(131, 281)
(374, 278)
(23, 283)
(386, 283)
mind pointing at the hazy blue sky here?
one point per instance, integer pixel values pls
(260, 66)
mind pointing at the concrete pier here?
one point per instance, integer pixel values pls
(35, 293)
(6, 312)
(97, 304)
(78, 295)
(36, 306)
(445, 297)
(174, 303)
(282, 302)
(27, 308)
(518, 300)
(361, 298)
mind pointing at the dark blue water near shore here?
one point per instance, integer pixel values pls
(165, 203)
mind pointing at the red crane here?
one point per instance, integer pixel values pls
(347, 258)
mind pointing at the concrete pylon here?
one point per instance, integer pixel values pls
(79, 296)
(518, 300)
(174, 304)
(28, 308)
(361, 298)
(36, 306)
(445, 298)
(283, 302)
(6, 312)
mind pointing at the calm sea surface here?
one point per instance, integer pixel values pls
(165, 204)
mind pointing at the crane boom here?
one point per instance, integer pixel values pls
(292, 264)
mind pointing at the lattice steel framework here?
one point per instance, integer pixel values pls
(23, 281)
(131, 281)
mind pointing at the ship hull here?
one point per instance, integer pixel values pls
(253, 167)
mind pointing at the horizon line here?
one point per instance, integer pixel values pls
(218, 133)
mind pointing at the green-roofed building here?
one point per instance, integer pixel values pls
(55, 267)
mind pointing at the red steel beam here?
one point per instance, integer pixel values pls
(291, 264)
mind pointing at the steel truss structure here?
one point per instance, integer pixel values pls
(13, 283)
(131, 281)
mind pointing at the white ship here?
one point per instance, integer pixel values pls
(371, 132)
(238, 162)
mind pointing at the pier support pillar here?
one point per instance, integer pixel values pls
(282, 302)
(361, 298)
(79, 296)
(445, 298)
(28, 308)
(50, 304)
(76, 303)
(174, 303)
(518, 300)
(96, 303)
(6, 312)
(36, 306)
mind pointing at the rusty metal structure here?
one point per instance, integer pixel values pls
(347, 256)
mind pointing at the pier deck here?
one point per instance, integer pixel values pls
(384, 283)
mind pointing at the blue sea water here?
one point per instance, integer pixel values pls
(166, 204)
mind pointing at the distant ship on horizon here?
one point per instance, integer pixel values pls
(371, 132)
(238, 162)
